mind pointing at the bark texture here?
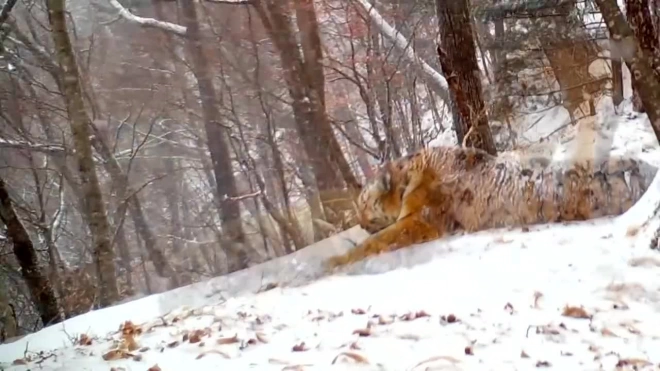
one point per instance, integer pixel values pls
(641, 22)
(638, 62)
(37, 281)
(459, 65)
(230, 211)
(80, 123)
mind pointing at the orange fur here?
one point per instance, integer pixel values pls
(440, 190)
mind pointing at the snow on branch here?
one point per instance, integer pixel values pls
(45, 148)
(148, 22)
(400, 41)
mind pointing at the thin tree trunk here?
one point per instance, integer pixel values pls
(304, 79)
(617, 75)
(459, 64)
(43, 294)
(638, 63)
(641, 23)
(230, 212)
(79, 122)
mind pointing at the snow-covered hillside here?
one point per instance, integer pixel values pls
(583, 296)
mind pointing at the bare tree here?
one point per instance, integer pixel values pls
(40, 286)
(638, 62)
(80, 124)
(639, 17)
(459, 64)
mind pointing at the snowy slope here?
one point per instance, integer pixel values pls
(491, 300)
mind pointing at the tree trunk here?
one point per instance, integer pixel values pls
(304, 78)
(79, 122)
(459, 65)
(641, 23)
(43, 294)
(230, 211)
(638, 63)
(617, 76)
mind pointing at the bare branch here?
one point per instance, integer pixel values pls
(6, 9)
(148, 22)
(400, 41)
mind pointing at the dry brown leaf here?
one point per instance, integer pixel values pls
(229, 340)
(20, 361)
(362, 332)
(116, 354)
(437, 358)
(352, 355)
(632, 231)
(137, 357)
(575, 312)
(173, 344)
(196, 335)
(300, 347)
(358, 311)
(523, 354)
(449, 318)
(382, 320)
(635, 362)
(543, 364)
(412, 316)
(607, 332)
(84, 340)
(469, 351)
(154, 368)
(213, 351)
(509, 308)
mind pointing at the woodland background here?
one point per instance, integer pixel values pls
(149, 144)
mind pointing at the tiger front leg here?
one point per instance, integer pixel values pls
(405, 232)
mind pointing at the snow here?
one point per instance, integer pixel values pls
(507, 289)
(489, 281)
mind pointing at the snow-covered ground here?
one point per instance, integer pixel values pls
(583, 296)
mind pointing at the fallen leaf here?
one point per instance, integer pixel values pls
(382, 320)
(300, 347)
(523, 354)
(542, 364)
(213, 351)
(116, 354)
(469, 351)
(20, 361)
(358, 311)
(607, 332)
(154, 368)
(575, 312)
(635, 362)
(362, 332)
(230, 340)
(354, 356)
(84, 340)
(261, 337)
(437, 358)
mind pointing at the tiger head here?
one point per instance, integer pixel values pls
(379, 202)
